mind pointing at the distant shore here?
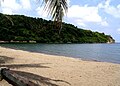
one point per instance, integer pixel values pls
(52, 70)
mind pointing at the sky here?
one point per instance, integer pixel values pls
(96, 15)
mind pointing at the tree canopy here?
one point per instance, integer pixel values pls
(24, 28)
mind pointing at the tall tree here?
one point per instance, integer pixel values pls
(57, 9)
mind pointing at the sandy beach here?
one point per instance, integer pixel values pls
(51, 70)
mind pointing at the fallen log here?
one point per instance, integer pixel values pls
(13, 78)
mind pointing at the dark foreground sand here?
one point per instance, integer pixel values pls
(51, 70)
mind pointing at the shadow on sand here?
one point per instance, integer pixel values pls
(37, 79)
(40, 80)
(4, 59)
(17, 66)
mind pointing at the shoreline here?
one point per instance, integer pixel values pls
(85, 58)
(77, 58)
(51, 70)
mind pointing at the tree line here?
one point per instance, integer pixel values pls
(25, 29)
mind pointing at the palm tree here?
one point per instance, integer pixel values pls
(57, 9)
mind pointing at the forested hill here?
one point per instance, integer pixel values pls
(20, 28)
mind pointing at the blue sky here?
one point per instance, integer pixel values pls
(96, 15)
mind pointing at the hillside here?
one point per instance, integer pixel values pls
(19, 28)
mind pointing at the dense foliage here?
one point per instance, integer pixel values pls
(21, 28)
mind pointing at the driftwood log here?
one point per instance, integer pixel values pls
(13, 78)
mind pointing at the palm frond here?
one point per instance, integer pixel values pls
(56, 8)
(10, 19)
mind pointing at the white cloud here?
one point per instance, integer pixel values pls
(11, 4)
(8, 6)
(104, 23)
(100, 5)
(114, 11)
(7, 11)
(107, 3)
(84, 14)
(88, 14)
(109, 9)
(118, 6)
(80, 23)
(118, 30)
(68, 2)
(41, 13)
(25, 4)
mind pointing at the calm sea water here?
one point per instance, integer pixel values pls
(97, 52)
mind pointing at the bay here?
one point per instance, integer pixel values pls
(95, 52)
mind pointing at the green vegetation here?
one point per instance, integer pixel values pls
(20, 28)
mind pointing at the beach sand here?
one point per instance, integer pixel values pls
(51, 70)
